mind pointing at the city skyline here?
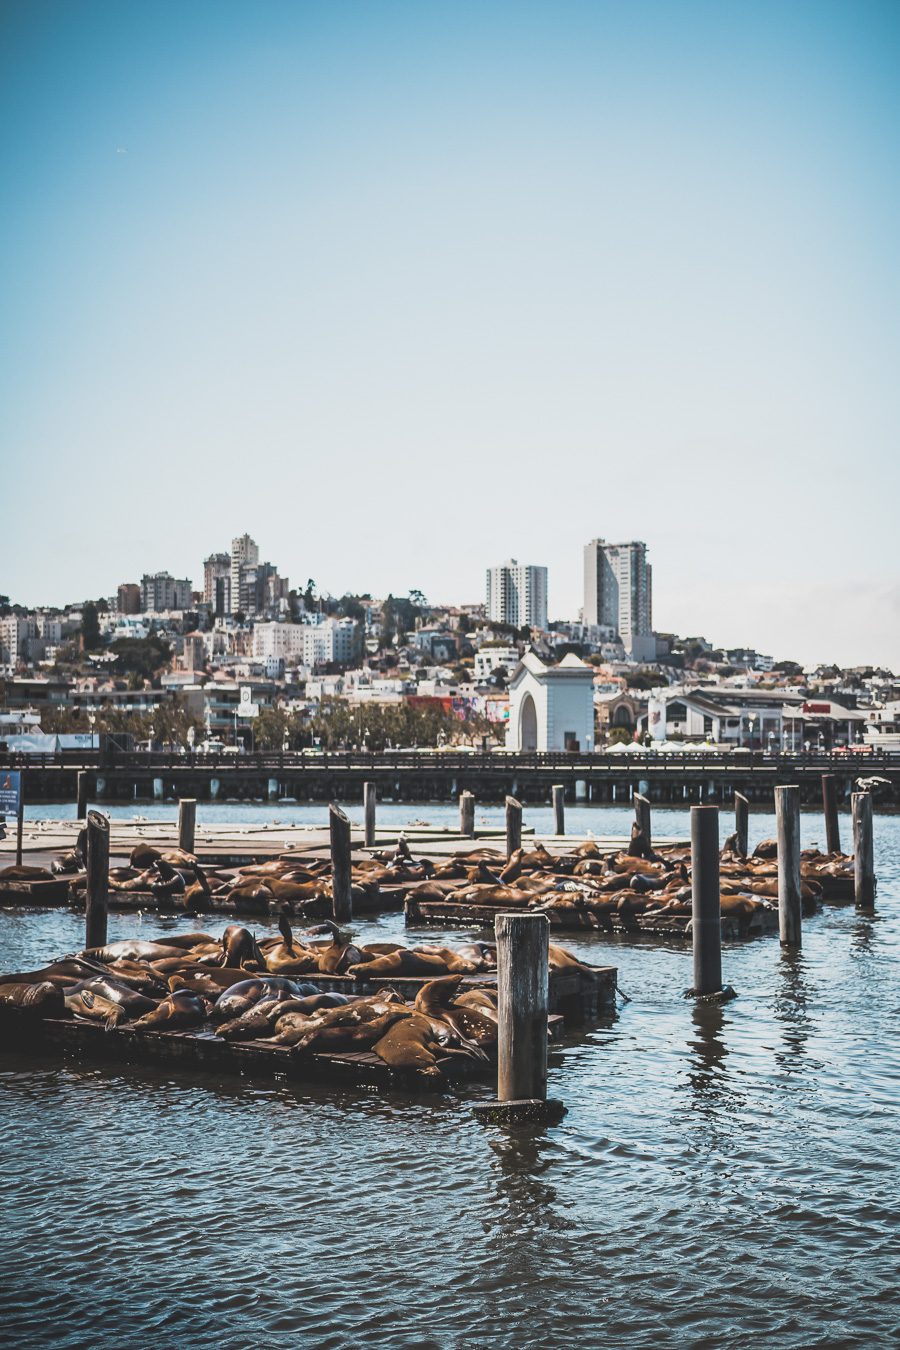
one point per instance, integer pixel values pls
(366, 278)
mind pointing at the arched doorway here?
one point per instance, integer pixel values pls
(528, 724)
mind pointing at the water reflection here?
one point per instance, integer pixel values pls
(708, 1050)
(527, 1199)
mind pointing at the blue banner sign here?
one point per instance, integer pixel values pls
(10, 791)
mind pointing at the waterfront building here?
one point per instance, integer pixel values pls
(618, 593)
(517, 594)
(160, 591)
(551, 707)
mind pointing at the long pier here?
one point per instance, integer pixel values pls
(434, 775)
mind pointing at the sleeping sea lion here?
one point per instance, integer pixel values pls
(43, 999)
(95, 1008)
(179, 1009)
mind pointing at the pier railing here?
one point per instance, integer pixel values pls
(863, 762)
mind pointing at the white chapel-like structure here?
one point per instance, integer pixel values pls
(551, 707)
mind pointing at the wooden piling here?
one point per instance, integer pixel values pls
(787, 813)
(467, 815)
(642, 816)
(558, 795)
(369, 814)
(82, 795)
(20, 818)
(706, 925)
(863, 850)
(339, 828)
(829, 806)
(741, 822)
(187, 820)
(513, 826)
(523, 942)
(97, 894)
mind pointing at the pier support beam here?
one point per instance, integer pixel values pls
(467, 815)
(863, 850)
(513, 826)
(20, 818)
(523, 942)
(339, 827)
(97, 894)
(187, 820)
(706, 924)
(642, 816)
(829, 806)
(787, 814)
(81, 794)
(741, 822)
(369, 814)
(558, 796)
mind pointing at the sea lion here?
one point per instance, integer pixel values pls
(42, 999)
(133, 1003)
(25, 873)
(95, 1008)
(243, 995)
(435, 1001)
(411, 1043)
(132, 950)
(336, 1037)
(240, 948)
(404, 961)
(179, 1009)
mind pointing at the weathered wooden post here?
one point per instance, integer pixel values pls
(187, 820)
(790, 912)
(523, 942)
(369, 814)
(706, 925)
(863, 850)
(829, 806)
(642, 816)
(558, 795)
(467, 815)
(339, 827)
(20, 818)
(741, 822)
(97, 893)
(81, 795)
(513, 826)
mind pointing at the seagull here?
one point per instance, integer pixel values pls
(121, 150)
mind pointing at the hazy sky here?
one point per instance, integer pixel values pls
(407, 289)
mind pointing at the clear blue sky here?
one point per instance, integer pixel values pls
(406, 289)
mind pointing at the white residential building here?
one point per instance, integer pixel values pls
(279, 642)
(326, 642)
(489, 659)
(517, 594)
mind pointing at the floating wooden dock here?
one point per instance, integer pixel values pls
(205, 1051)
(572, 919)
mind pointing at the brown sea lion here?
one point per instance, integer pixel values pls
(337, 1036)
(435, 1000)
(411, 1043)
(42, 999)
(240, 948)
(179, 1009)
(95, 1008)
(23, 872)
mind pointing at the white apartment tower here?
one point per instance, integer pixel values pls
(618, 584)
(517, 594)
(244, 553)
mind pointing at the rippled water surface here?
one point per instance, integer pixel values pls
(723, 1177)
